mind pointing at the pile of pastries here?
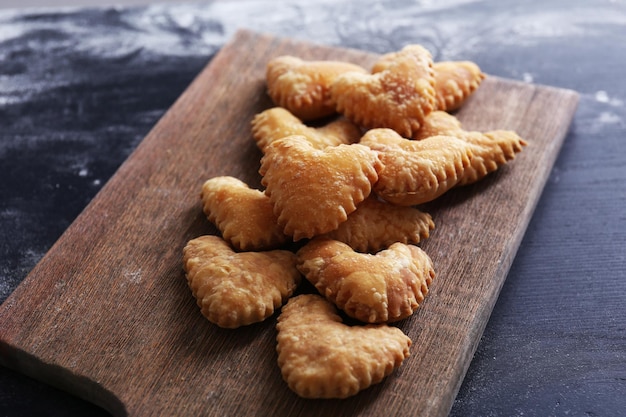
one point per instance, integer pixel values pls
(348, 154)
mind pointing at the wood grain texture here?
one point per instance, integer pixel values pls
(107, 314)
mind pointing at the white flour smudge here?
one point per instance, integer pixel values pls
(134, 277)
(527, 77)
(602, 96)
(608, 118)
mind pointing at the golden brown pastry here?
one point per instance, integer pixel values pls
(417, 171)
(313, 190)
(244, 216)
(375, 225)
(277, 122)
(455, 81)
(397, 97)
(236, 289)
(302, 86)
(380, 288)
(321, 357)
(491, 149)
(439, 123)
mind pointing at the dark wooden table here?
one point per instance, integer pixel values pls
(80, 88)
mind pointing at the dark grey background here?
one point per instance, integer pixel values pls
(80, 88)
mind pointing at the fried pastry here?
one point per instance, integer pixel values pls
(375, 225)
(321, 357)
(244, 216)
(417, 171)
(492, 149)
(455, 81)
(236, 289)
(380, 288)
(277, 122)
(302, 87)
(439, 123)
(397, 97)
(313, 190)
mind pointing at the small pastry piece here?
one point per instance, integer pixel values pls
(236, 289)
(381, 288)
(313, 190)
(417, 171)
(439, 123)
(455, 81)
(397, 97)
(375, 225)
(492, 149)
(302, 87)
(321, 357)
(244, 216)
(277, 122)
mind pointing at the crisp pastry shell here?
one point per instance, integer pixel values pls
(491, 149)
(455, 82)
(381, 288)
(375, 225)
(236, 289)
(313, 190)
(417, 172)
(277, 123)
(398, 97)
(244, 216)
(303, 87)
(321, 357)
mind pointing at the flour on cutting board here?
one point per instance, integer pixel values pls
(133, 276)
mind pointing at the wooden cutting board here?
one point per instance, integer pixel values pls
(107, 314)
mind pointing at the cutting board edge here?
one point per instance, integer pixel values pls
(480, 325)
(61, 378)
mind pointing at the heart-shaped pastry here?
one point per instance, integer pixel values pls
(276, 123)
(455, 81)
(381, 288)
(399, 97)
(321, 357)
(375, 225)
(314, 190)
(491, 149)
(302, 86)
(244, 216)
(236, 289)
(417, 171)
